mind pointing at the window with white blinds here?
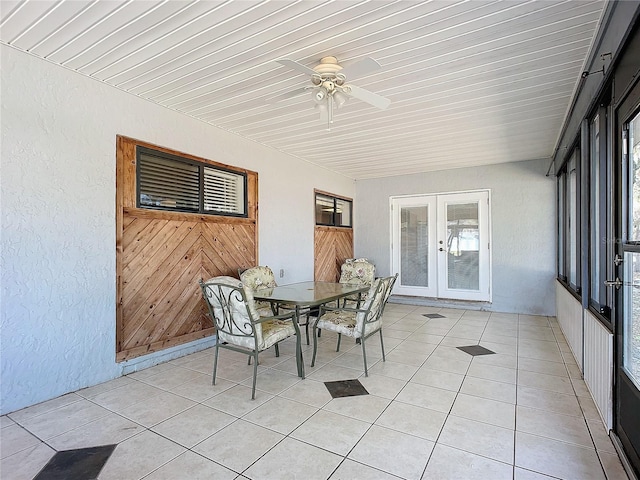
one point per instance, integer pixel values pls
(223, 192)
(168, 182)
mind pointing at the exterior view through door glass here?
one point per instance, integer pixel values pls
(627, 392)
(441, 245)
(463, 246)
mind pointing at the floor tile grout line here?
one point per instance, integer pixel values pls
(200, 402)
(515, 420)
(575, 394)
(435, 443)
(593, 441)
(343, 457)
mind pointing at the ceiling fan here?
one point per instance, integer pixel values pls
(329, 85)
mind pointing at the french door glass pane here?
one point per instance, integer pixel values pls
(634, 163)
(414, 238)
(631, 323)
(463, 246)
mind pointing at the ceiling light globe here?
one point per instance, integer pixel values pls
(319, 95)
(340, 99)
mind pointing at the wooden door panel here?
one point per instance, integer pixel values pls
(151, 276)
(162, 300)
(344, 247)
(332, 247)
(232, 246)
(158, 297)
(161, 256)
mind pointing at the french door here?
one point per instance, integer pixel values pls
(627, 331)
(440, 245)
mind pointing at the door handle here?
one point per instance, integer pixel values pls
(614, 283)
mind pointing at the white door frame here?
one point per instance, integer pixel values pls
(438, 254)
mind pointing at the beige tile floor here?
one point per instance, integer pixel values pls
(433, 412)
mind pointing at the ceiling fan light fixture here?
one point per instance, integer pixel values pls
(319, 94)
(329, 88)
(340, 98)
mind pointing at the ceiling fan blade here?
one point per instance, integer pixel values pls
(367, 96)
(360, 68)
(296, 66)
(286, 95)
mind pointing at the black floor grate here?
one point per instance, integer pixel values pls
(78, 464)
(346, 388)
(476, 350)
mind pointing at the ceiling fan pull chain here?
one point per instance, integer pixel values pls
(330, 102)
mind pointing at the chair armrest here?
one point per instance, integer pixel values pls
(342, 309)
(284, 316)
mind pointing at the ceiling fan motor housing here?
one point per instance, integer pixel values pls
(328, 65)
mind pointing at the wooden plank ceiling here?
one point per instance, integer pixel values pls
(471, 82)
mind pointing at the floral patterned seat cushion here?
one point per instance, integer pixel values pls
(273, 331)
(239, 330)
(350, 323)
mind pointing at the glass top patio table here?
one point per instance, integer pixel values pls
(309, 294)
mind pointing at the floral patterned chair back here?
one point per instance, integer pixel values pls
(358, 271)
(258, 277)
(369, 320)
(233, 310)
(390, 282)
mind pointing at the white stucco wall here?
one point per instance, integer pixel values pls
(58, 218)
(522, 218)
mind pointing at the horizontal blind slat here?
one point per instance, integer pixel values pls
(168, 183)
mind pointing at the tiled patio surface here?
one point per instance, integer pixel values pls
(433, 411)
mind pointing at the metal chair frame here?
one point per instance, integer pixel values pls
(214, 292)
(372, 313)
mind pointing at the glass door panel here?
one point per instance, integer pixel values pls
(464, 253)
(414, 250)
(414, 245)
(631, 318)
(463, 246)
(627, 317)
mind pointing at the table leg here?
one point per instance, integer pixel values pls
(299, 359)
